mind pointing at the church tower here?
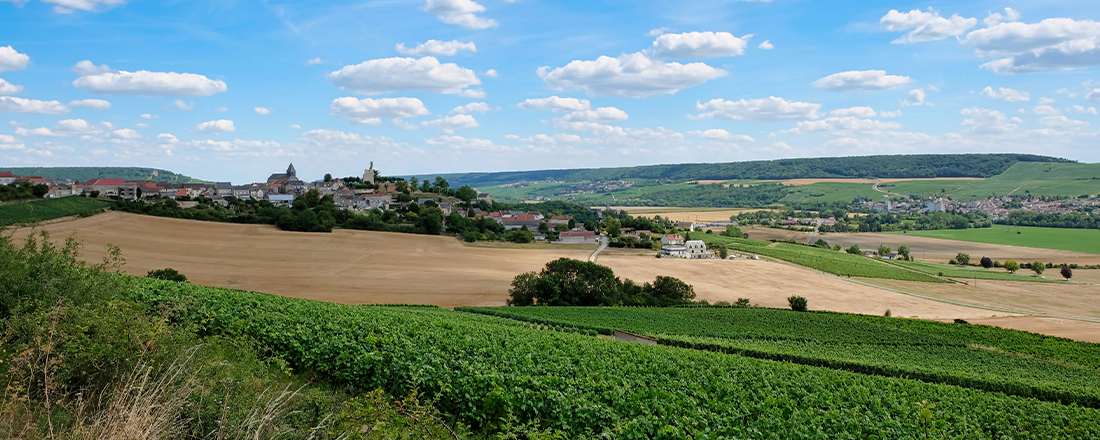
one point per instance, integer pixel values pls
(290, 172)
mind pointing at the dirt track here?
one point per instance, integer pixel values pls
(358, 267)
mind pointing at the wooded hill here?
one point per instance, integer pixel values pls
(87, 173)
(886, 167)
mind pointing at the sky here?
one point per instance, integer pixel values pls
(236, 90)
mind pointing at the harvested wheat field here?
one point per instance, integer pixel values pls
(352, 267)
(769, 284)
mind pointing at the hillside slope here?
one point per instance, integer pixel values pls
(88, 173)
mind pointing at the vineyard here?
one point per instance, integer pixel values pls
(484, 370)
(967, 272)
(48, 209)
(825, 260)
(978, 357)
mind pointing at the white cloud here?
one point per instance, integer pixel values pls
(602, 114)
(1007, 94)
(126, 134)
(659, 31)
(436, 48)
(180, 104)
(472, 107)
(1045, 110)
(12, 104)
(893, 114)
(861, 80)
(926, 26)
(148, 84)
(915, 97)
(492, 73)
(996, 18)
(451, 123)
(354, 143)
(369, 111)
(167, 138)
(766, 45)
(10, 59)
(1062, 122)
(1052, 44)
(96, 104)
(262, 110)
(984, 121)
(472, 93)
(314, 61)
(844, 124)
(222, 109)
(142, 125)
(1082, 109)
(861, 112)
(555, 104)
(295, 127)
(147, 116)
(239, 147)
(698, 45)
(87, 67)
(718, 133)
(633, 75)
(7, 88)
(10, 143)
(397, 74)
(459, 12)
(764, 109)
(67, 6)
(219, 126)
(1046, 101)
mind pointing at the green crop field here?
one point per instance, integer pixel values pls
(482, 370)
(48, 209)
(979, 357)
(968, 272)
(832, 192)
(1040, 179)
(825, 260)
(1066, 239)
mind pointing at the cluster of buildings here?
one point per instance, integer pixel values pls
(994, 206)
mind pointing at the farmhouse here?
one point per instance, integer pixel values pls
(578, 237)
(693, 249)
(379, 200)
(672, 239)
(7, 178)
(674, 250)
(106, 187)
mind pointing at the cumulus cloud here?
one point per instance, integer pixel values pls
(147, 116)
(926, 26)
(866, 80)
(492, 72)
(893, 114)
(996, 18)
(87, 67)
(1062, 122)
(766, 45)
(436, 48)
(219, 126)
(12, 104)
(555, 104)
(718, 133)
(1083, 109)
(698, 45)
(67, 6)
(369, 111)
(262, 110)
(314, 61)
(1045, 110)
(147, 84)
(602, 114)
(658, 31)
(915, 97)
(764, 109)
(451, 123)
(1007, 94)
(844, 124)
(7, 88)
(333, 140)
(95, 104)
(633, 75)
(167, 138)
(386, 75)
(459, 12)
(471, 107)
(986, 122)
(8, 142)
(10, 59)
(1052, 44)
(860, 112)
(180, 104)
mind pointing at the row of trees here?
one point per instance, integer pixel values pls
(22, 191)
(569, 282)
(1081, 220)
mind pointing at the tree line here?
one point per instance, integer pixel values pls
(569, 282)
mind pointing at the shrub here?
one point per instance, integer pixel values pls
(887, 314)
(960, 321)
(987, 262)
(797, 303)
(167, 274)
(1038, 268)
(963, 259)
(741, 302)
(1012, 266)
(1067, 273)
(854, 250)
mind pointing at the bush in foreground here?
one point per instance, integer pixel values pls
(798, 303)
(167, 274)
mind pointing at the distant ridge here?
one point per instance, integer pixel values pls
(883, 166)
(87, 173)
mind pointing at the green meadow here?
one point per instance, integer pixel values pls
(1079, 240)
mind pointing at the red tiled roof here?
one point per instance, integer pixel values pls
(7, 174)
(674, 237)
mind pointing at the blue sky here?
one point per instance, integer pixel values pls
(235, 90)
